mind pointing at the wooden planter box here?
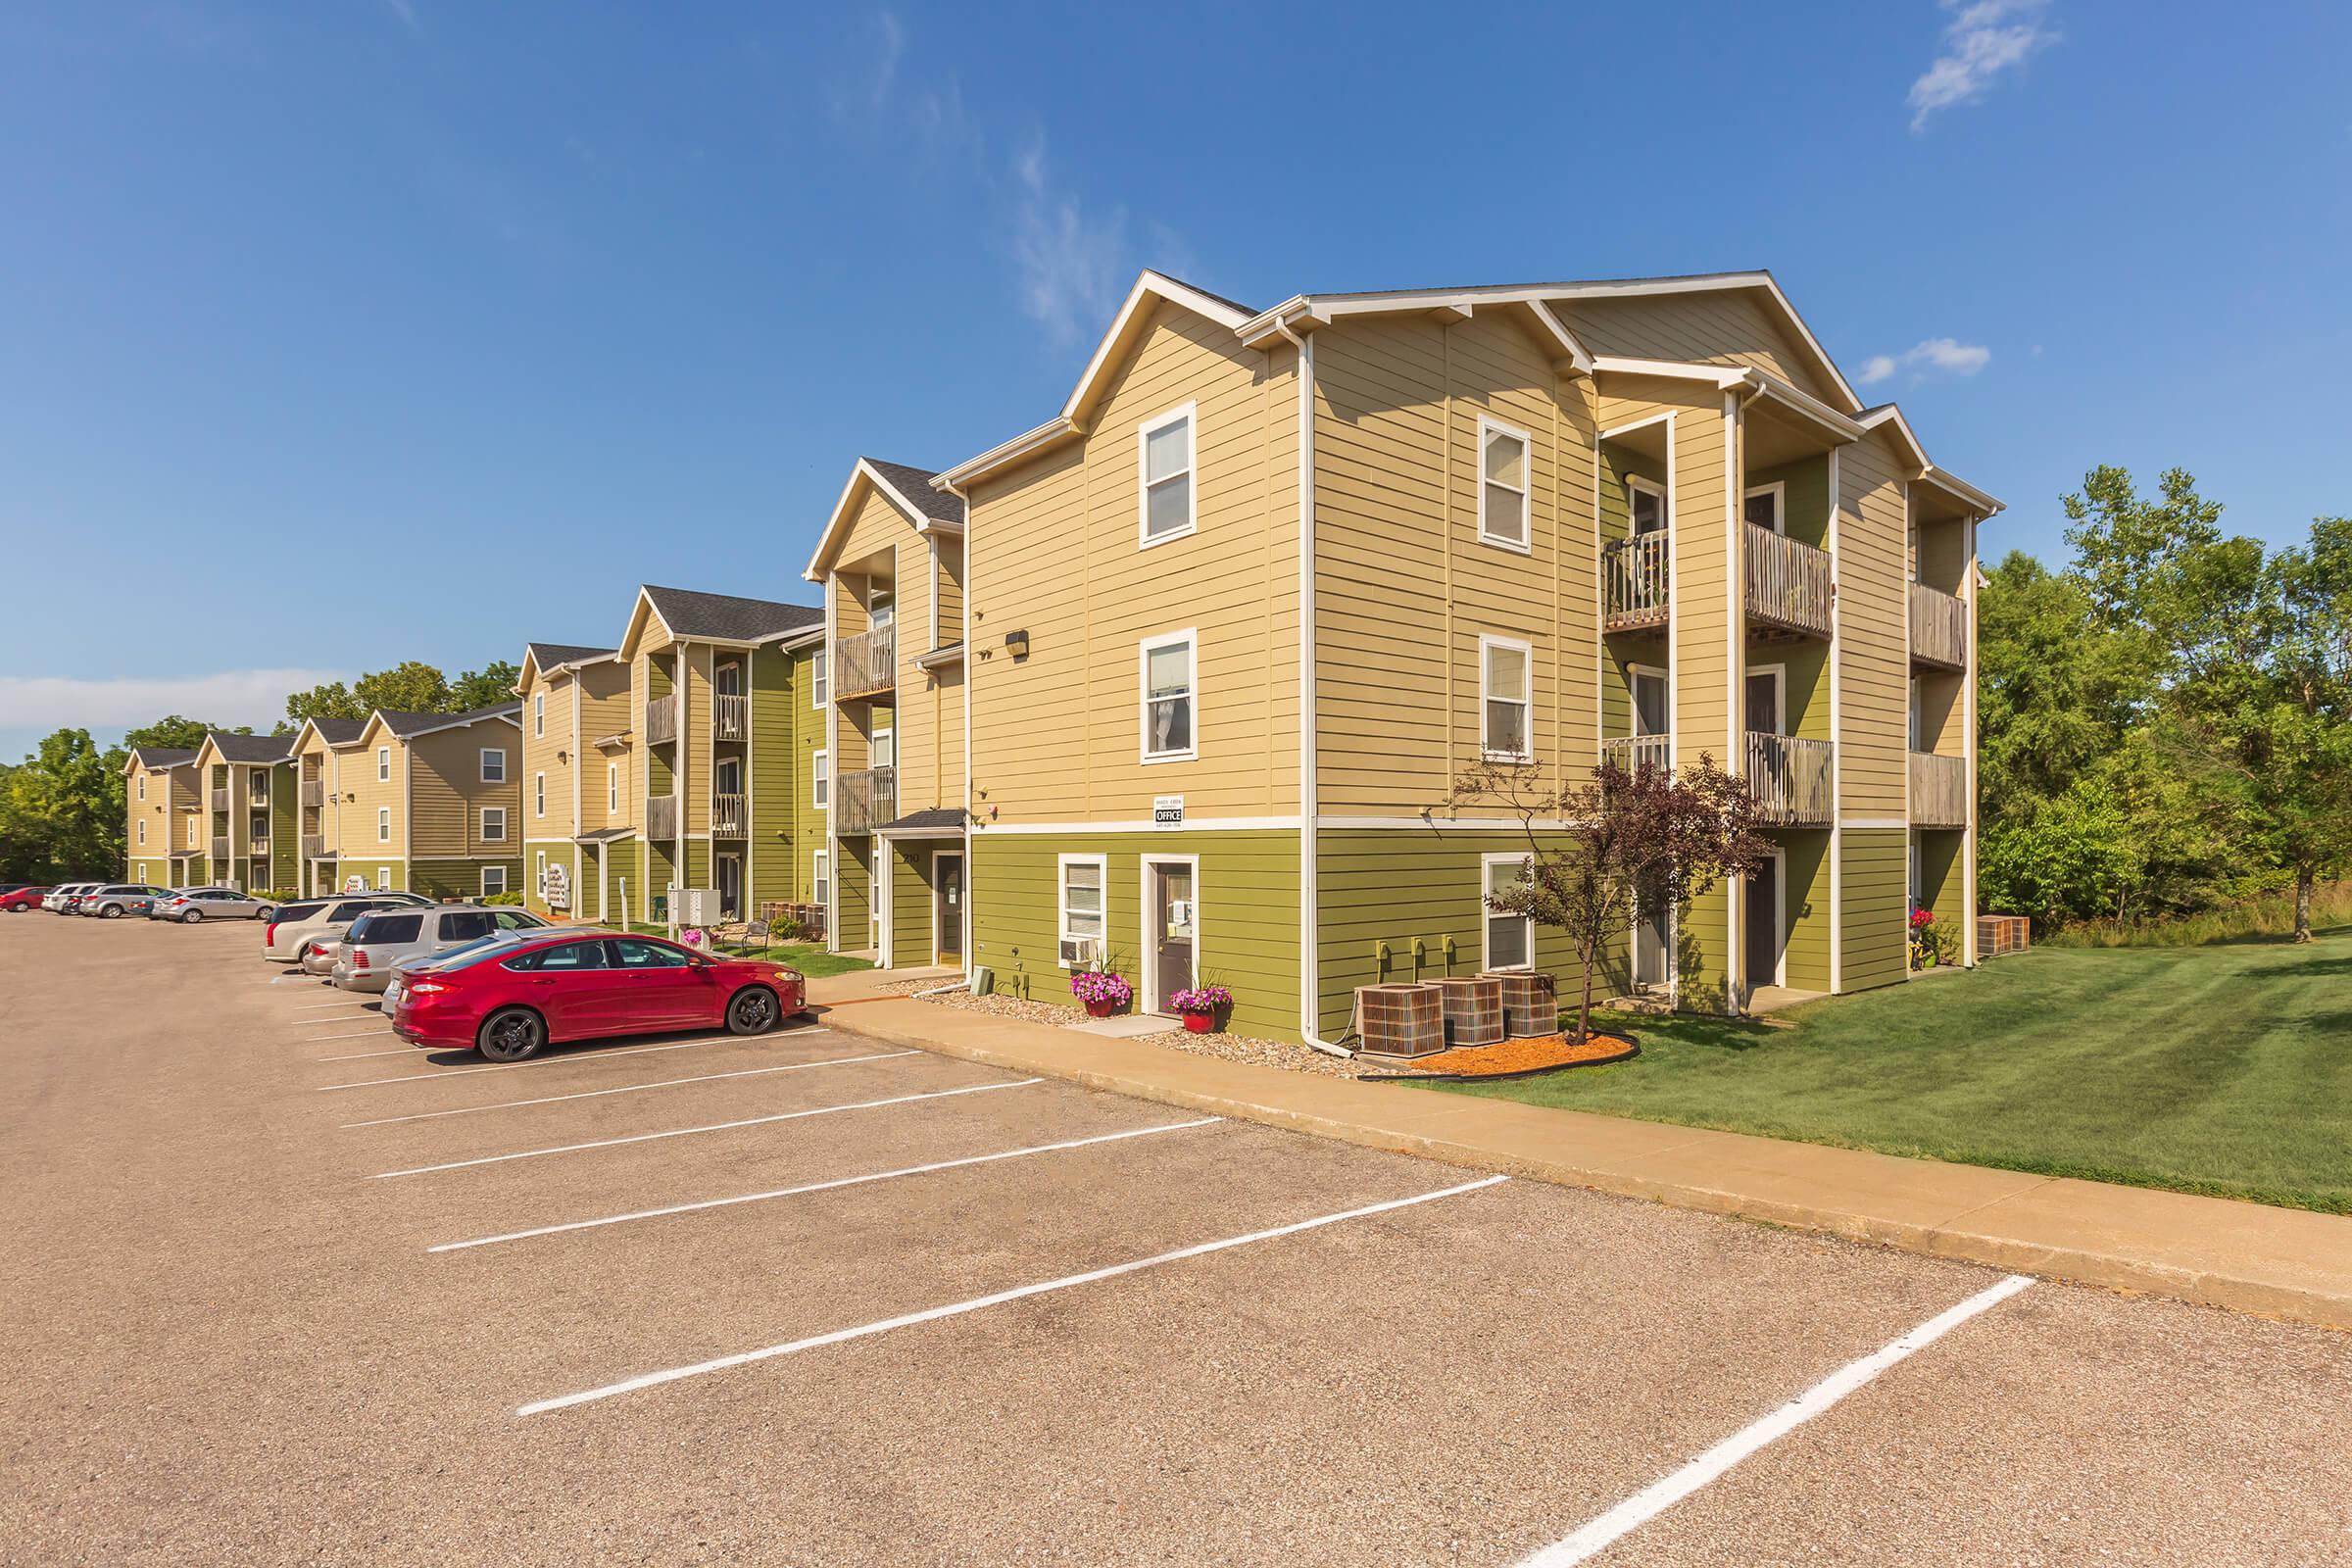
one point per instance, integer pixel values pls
(1530, 1005)
(1402, 1020)
(1473, 1009)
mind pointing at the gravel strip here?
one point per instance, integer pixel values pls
(1223, 1047)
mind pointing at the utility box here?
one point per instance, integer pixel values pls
(1402, 1020)
(695, 906)
(1472, 1006)
(1529, 1008)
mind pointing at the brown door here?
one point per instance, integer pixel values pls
(1174, 921)
(946, 880)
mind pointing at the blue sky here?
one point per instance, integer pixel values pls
(334, 332)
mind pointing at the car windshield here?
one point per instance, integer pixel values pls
(291, 914)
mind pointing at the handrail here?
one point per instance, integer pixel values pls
(727, 815)
(730, 716)
(1788, 583)
(1636, 577)
(1939, 628)
(1791, 779)
(1633, 753)
(1939, 790)
(866, 662)
(662, 720)
(865, 799)
(661, 816)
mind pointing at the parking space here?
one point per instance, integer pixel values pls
(305, 1294)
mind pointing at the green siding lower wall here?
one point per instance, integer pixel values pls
(458, 879)
(1805, 869)
(1703, 942)
(854, 895)
(1876, 905)
(909, 865)
(1941, 884)
(1248, 897)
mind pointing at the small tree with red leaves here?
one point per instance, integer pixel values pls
(1602, 851)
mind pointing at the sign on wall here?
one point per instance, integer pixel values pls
(1168, 810)
(555, 888)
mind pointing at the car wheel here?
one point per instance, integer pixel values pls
(111, 912)
(512, 1034)
(191, 918)
(264, 912)
(754, 1011)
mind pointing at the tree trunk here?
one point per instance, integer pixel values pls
(2303, 881)
(1584, 1011)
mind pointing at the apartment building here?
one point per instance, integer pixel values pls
(1270, 580)
(320, 750)
(432, 803)
(577, 782)
(726, 708)
(163, 832)
(245, 816)
(888, 779)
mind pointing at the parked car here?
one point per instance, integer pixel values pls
(20, 900)
(66, 897)
(509, 1005)
(117, 900)
(297, 928)
(407, 970)
(194, 905)
(381, 938)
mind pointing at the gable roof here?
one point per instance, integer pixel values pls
(914, 491)
(548, 658)
(341, 734)
(688, 615)
(154, 758)
(1306, 312)
(408, 726)
(1889, 419)
(247, 748)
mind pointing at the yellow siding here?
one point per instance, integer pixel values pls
(446, 793)
(1058, 734)
(606, 694)
(694, 740)
(360, 843)
(1873, 634)
(1730, 326)
(554, 752)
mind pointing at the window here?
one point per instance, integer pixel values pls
(538, 793)
(1163, 459)
(1504, 667)
(195, 826)
(384, 824)
(470, 925)
(611, 788)
(494, 765)
(1510, 938)
(1645, 505)
(818, 677)
(493, 824)
(513, 919)
(820, 879)
(633, 952)
(726, 777)
(541, 884)
(383, 879)
(821, 781)
(539, 713)
(142, 835)
(1083, 916)
(379, 926)
(727, 679)
(1503, 485)
(568, 955)
(1168, 697)
(384, 764)
(1766, 505)
(142, 786)
(886, 748)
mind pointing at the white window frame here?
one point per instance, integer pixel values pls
(1641, 484)
(384, 764)
(611, 789)
(821, 778)
(1779, 697)
(488, 837)
(498, 871)
(142, 833)
(1634, 674)
(499, 752)
(820, 676)
(1779, 491)
(142, 786)
(1487, 431)
(383, 879)
(539, 794)
(384, 824)
(1061, 902)
(820, 878)
(195, 832)
(1778, 859)
(1527, 650)
(884, 736)
(1488, 916)
(1191, 638)
(1190, 413)
(539, 715)
(540, 869)
(718, 775)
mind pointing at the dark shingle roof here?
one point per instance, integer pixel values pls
(407, 724)
(1245, 309)
(915, 485)
(726, 618)
(549, 655)
(339, 731)
(250, 748)
(163, 755)
(940, 818)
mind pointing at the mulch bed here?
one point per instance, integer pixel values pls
(1513, 1059)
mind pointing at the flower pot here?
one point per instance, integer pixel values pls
(1102, 1007)
(1200, 1023)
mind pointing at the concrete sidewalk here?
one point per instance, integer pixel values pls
(2282, 1262)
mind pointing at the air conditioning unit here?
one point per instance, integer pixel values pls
(1081, 953)
(1402, 1020)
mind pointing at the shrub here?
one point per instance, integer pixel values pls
(1101, 985)
(1201, 999)
(502, 898)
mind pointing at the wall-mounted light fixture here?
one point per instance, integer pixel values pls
(1016, 643)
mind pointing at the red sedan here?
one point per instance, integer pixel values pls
(514, 999)
(16, 900)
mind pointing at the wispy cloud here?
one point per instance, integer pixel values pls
(1983, 38)
(1945, 354)
(405, 11)
(256, 696)
(1074, 265)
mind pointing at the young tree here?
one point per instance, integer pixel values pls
(62, 812)
(1632, 842)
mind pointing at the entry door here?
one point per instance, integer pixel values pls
(730, 886)
(1649, 703)
(947, 883)
(1765, 927)
(1174, 919)
(1764, 702)
(1653, 941)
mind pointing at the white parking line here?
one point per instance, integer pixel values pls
(363, 1055)
(322, 1006)
(714, 1127)
(361, 1034)
(822, 1186)
(1654, 1499)
(629, 1089)
(648, 1379)
(557, 1061)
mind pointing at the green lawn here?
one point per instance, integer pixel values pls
(2223, 1069)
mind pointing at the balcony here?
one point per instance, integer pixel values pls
(1634, 580)
(727, 816)
(730, 716)
(314, 846)
(220, 847)
(865, 799)
(1938, 628)
(866, 665)
(257, 836)
(1791, 779)
(1633, 753)
(661, 816)
(314, 791)
(662, 720)
(1938, 791)
(259, 794)
(1787, 583)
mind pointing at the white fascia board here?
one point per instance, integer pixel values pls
(1709, 282)
(1026, 444)
(1719, 377)
(1304, 312)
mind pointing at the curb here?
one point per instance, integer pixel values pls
(2120, 1271)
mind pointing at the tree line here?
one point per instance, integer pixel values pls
(62, 809)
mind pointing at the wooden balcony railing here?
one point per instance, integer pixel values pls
(1788, 583)
(1633, 753)
(257, 836)
(1939, 628)
(1791, 779)
(219, 846)
(730, 716)
(314, 791)
(1939, 790)
(865, 799)
(727, 814)
(662, 720)
(314, 846)
(866, 665)
(1633, 577)
(661, 817)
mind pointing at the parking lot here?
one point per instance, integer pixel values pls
(284, 1290)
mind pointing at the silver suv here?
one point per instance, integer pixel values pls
(383, 937)
(119, 898)
(308, 924)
